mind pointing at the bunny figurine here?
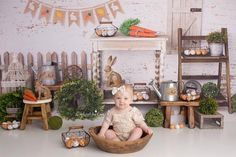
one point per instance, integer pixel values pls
(113, 79)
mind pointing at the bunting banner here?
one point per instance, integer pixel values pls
(59, 16)
(115, 7)
(31, 7)
(101, 13)
(88, 16)
(49, 13)
(74, 17)
(45, 13)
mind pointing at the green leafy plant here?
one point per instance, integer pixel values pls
(124, 28)
(154, 117)
(210, 90)
(208, 106)
(12, 99)
(79, 99)
(216, 37)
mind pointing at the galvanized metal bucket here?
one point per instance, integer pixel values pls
(47, 74)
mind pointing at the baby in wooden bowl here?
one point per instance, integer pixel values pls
(127, 121)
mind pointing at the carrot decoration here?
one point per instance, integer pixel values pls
(29, 95)
(129, 27)
(141, 29)
(142, 34)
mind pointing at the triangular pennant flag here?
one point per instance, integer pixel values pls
(45, 13)
(74, 17)
(88, 16)
(31, 7)
(59, 16)
(101, 13)
(115, 7)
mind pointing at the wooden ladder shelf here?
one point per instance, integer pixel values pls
(207, 59)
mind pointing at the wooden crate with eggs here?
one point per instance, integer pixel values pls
(141, 92)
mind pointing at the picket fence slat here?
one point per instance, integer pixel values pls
(39, 61)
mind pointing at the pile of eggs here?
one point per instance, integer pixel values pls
(196, 52)
(10, 125)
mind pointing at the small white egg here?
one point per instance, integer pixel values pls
(10, 127)
(177, 126)
(186, 52)
(192, 52)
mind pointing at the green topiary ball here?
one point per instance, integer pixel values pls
(233, 102)
(55, 122)
(208, 106)
(210, 90)
(154, 117)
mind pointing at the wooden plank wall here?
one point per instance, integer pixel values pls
(62, 59)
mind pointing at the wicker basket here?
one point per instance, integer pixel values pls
(119, 147)
(79, 138)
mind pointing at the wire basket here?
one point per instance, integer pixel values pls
(141, 92)
(78, 138)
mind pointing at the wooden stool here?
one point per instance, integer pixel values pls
(188, 104)
(29, 114)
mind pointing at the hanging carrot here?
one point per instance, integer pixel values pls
(141, 29)
(142, 34)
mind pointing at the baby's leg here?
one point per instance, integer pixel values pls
(135, 134)
(111, 135)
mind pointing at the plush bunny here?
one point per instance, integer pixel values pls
(113, 79)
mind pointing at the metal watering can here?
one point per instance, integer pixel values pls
(168, 90)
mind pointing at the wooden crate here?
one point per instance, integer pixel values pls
(203, 121)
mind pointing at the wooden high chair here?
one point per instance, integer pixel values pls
(29, 114)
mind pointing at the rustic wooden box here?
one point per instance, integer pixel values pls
(203, 121)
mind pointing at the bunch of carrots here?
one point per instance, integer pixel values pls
(130, 28)
(29, 95)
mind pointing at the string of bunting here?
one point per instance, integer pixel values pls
(59, 14)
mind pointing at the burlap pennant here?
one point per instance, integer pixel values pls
(88, 16)
(101, 13)
(59, 16)
(115, 7)
(45, 13)
(74, 17)
(31, 7)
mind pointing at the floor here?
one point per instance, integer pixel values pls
(35, 142)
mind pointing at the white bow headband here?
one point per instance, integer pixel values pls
(116, 89)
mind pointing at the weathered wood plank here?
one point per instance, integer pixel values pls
(84, 65)
(74, 58)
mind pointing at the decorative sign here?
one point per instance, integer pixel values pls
(70, 16)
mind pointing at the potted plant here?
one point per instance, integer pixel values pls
(216, 41)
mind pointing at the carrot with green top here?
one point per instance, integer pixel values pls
(142, 34)
(141, 29)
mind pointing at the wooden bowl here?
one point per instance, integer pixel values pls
(120, 147)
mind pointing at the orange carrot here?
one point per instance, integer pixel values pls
(141, 29)
(142, 34)
(26, 97)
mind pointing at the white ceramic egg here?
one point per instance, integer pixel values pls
(186, 52)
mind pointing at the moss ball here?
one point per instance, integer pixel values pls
(55, 122)
(154, 117)
(208, 106)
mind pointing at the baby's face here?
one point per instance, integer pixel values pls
(122, 100)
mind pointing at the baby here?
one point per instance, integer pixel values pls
(128, 122)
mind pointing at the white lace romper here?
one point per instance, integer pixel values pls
(123, 123)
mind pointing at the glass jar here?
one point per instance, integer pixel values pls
(106, 29)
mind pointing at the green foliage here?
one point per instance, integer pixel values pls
(154, 117)
(208, 106)
(210, 90)
(79, 99)
(12, 99)
(216, 37)
(124, 28)
(55, 122)
(233, 102)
